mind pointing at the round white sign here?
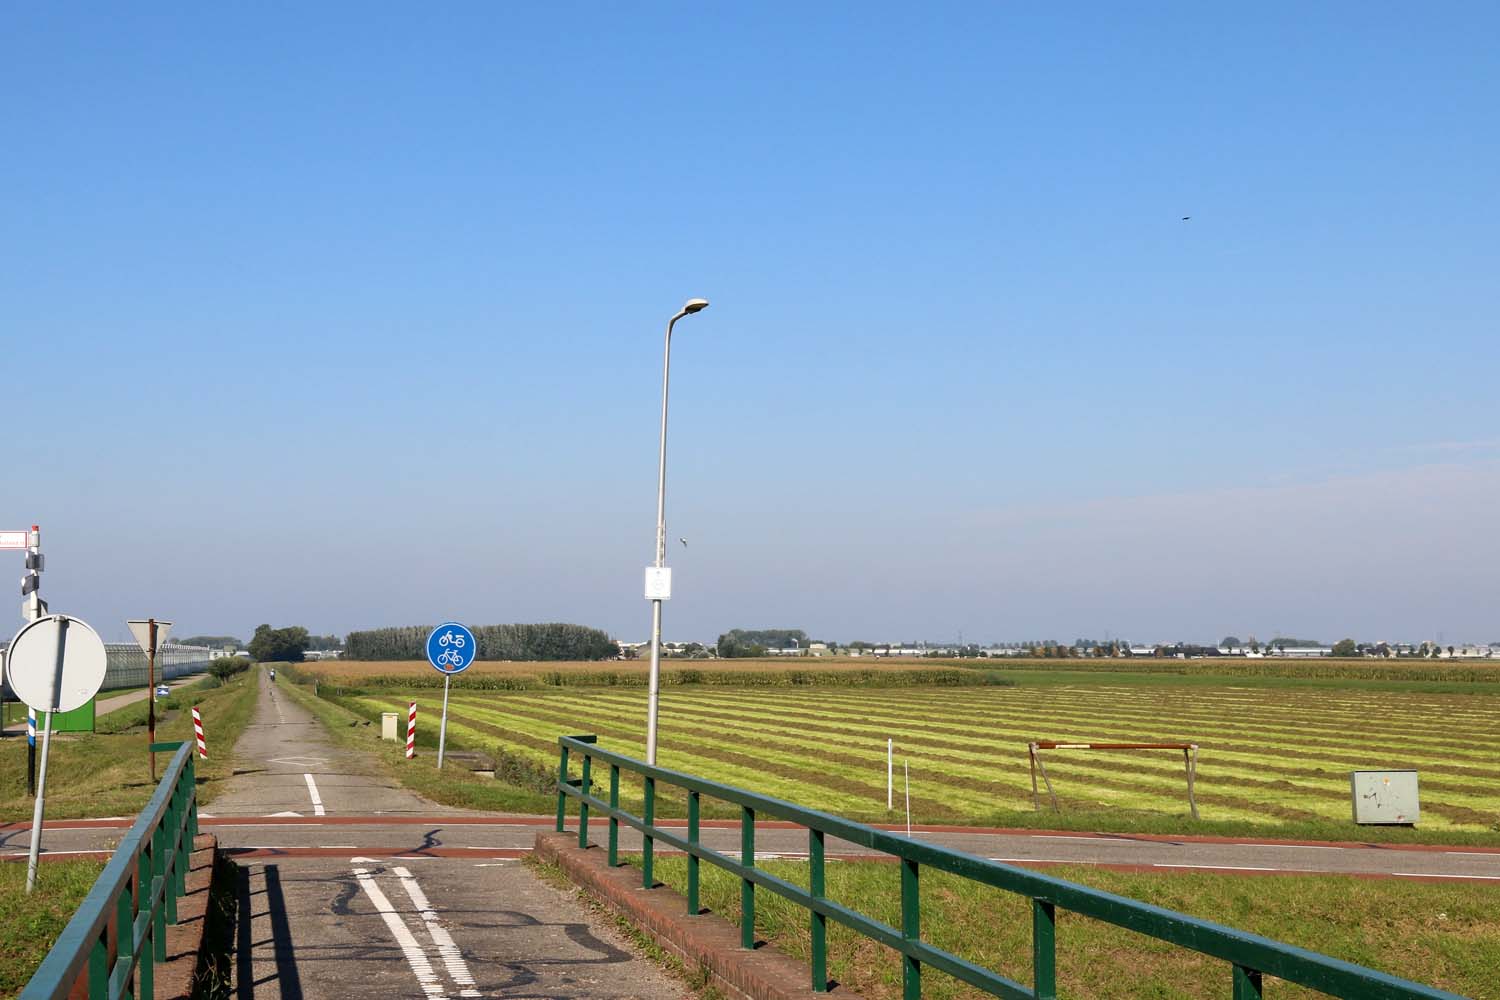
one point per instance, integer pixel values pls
(56, 663)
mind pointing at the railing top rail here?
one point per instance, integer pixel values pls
(70, 952)
(1276, 958)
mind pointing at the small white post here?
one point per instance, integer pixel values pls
(907, 765)
(890, 769)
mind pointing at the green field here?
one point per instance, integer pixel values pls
(1273, 757)
(1443, 935)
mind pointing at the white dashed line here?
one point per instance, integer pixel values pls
(458, 970)
(312, 790)
(416, 957)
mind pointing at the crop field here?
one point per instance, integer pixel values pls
(1269, 755)
(621, 672)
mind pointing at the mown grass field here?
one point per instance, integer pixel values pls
(1443, 935)
(1271, 757)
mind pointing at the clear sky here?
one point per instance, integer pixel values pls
(351, 316)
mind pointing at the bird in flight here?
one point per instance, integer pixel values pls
(1186, 218)
(683, 541)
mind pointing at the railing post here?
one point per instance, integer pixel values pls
(99, 967)
(125, 929)
(911, 930)
(747, 887)
(614, 822)
(693, 905)
(158, 871)
(648, 842)
(816, 888)
(583, 803)
(1043, 950)
(562, 782)
(1246, 983)
(190, 795)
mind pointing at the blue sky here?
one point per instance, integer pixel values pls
(352, 316)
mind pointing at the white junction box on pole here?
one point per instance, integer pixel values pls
(1384, 797)
(388, 722)
(658, 583)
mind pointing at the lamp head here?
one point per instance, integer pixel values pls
(695, 305)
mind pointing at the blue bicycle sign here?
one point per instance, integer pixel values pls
(451, 648)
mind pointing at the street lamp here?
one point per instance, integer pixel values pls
(659, 584)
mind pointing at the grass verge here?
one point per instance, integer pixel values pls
(106, 773)
(1445, 935)
(33, 922)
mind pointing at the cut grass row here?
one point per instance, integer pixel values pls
(967, 752)
(108, 774)
(1443, 935)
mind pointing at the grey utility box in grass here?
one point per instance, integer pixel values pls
(1388, 797)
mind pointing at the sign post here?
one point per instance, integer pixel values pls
(32, 608)
(450, 650)
(148, 634)
(55, 664)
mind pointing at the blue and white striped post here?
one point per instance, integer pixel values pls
(30, 751)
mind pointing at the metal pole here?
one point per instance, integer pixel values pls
(151, 697)
(41, 783)
(443, 726)
(654, 687)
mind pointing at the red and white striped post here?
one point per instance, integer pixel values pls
(198, 732)
(411, 730)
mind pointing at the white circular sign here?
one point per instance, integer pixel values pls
(49, 682)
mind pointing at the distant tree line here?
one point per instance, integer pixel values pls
(547, 641)
(273, 645)
(211, 641)
(740, 642)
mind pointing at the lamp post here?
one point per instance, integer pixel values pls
(655, 584)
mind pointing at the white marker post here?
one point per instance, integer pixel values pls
(56, 664)
(890, 768)
(907, 765)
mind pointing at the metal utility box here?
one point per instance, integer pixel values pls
(388, 725)
(1388, 797)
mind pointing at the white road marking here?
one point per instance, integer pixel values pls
(1487, 878)
(1080, 836)
(453, 958)
(341, 847)
(1461, 854)
(1232, 868)
(1045, 861)
(317, 800)
(1299, 847)
(416, 957)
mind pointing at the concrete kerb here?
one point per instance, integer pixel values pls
(706, 942)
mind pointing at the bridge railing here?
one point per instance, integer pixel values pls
(1249, 957)
(120, 930)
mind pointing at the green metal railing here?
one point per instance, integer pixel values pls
(120, 930)
(1250, 956)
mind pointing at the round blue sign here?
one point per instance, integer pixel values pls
(451, 648)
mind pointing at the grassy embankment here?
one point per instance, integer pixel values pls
(33, 922)
(105, 773)
(1444, 935)
(1275, 754)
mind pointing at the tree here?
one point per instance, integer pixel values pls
(1345, 647)
(270, 645)
(211, 641)
(1230, 642)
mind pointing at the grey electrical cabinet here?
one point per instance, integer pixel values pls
(1388, 797)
